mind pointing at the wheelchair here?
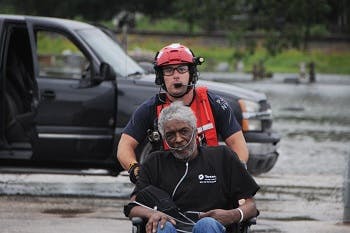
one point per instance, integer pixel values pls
(138, 225)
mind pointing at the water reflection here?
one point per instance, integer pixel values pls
(315, 125)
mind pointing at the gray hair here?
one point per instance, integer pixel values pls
(177, 110)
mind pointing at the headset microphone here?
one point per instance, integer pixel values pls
(188, 85)
(181, 148)
(178, 85)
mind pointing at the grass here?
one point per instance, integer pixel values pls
(336, 61)
(332, 62)
(165, 25)
(54, 43)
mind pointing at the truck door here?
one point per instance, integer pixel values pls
(75, 116)
(18, 91)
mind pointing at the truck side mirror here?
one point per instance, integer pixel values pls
(107, 72)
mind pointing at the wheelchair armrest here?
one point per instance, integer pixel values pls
(136, 221)
(249, 222)
(245, 225)
(138, 225)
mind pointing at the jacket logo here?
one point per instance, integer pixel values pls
(206, 179)
(223, 104)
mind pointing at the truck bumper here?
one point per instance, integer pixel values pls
(262, 151)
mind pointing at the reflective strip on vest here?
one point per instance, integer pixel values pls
(200, 129)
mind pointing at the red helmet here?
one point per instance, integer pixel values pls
(174, 54)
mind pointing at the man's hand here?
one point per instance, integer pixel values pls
(134, 171)
(225, 217)
(157, 218)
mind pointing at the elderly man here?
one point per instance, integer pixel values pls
(207, 180)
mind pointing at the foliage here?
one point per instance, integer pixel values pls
(287, 61)
(54, 43)
(164, 25)
(87, 9)
(208, 14)
(284, 24)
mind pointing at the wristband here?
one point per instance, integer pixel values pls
(133, 171)
(131, 165)
(242, 216)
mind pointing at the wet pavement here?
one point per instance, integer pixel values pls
(38, 214)
(302, 193)
(74, 203)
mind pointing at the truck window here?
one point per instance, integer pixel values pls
(58, 57)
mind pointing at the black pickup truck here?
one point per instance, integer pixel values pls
(64, 106)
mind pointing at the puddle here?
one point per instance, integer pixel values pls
(67, 213)
(294, 218)
(321, 135)
(82, 189)
(293, 109)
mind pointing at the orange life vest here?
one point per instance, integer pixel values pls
(205, 119)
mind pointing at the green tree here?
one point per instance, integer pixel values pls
(93, 10)
(284, 23)
(339, 17)
(207, 14)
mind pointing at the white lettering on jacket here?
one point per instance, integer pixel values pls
(206, 179)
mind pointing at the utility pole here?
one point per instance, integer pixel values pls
(124, 21)
(346, 217)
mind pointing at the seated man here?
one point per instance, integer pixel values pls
(208, 180)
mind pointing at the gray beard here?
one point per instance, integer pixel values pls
(189, 151)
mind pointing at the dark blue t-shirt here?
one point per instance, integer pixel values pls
(145, 116)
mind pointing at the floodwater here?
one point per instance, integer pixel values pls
(314, 121)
